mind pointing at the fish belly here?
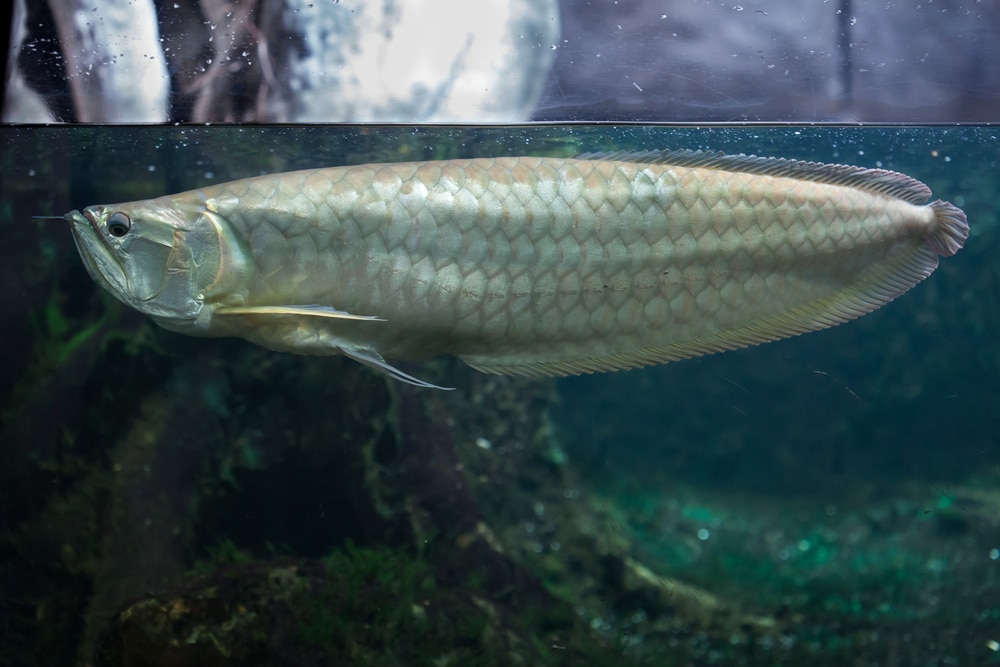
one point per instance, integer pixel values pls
(557, 266)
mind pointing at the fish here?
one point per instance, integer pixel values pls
(531, 266)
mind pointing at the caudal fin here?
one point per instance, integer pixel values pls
(950, 229)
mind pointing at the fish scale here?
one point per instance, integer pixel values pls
(528, 265)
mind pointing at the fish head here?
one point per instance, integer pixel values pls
(167, 260)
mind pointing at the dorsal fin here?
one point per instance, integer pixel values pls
(879, 181)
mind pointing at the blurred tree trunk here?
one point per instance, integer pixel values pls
(113, 61)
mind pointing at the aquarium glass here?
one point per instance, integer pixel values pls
(828, 499)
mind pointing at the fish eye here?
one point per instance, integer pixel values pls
(119, 224)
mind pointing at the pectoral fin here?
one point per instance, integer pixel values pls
(310, 310)
(374, 360)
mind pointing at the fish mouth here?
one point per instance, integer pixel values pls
(100, 262)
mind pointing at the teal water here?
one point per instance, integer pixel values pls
(828, 498)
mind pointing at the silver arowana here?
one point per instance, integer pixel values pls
(524, 265)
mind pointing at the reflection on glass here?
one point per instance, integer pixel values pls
(503, 61)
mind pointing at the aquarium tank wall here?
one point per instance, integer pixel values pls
(760, 498)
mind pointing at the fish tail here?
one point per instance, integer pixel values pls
(951, 229)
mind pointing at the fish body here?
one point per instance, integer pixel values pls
(524, 265)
